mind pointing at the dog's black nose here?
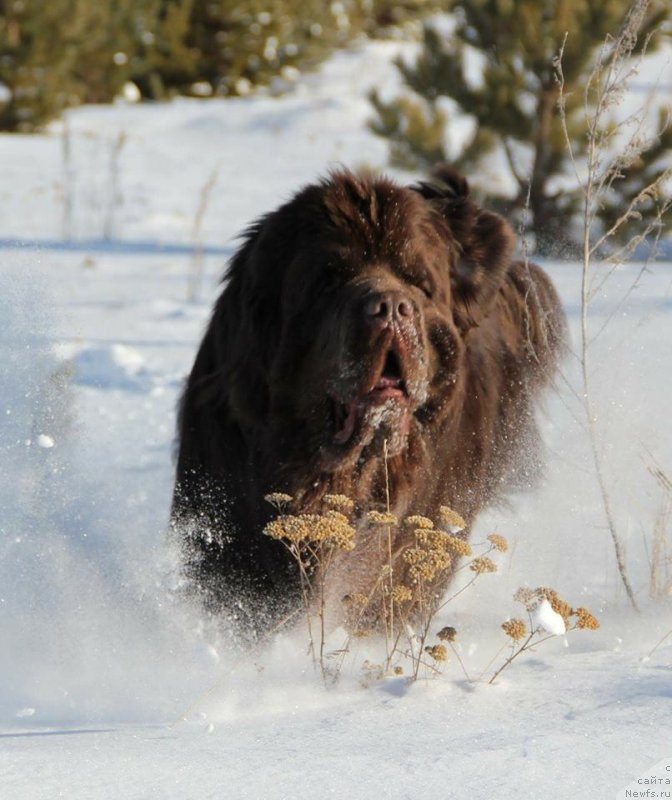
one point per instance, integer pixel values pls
(386, 307)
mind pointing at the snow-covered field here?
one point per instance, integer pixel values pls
(99, 663)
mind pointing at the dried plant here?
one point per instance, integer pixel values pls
(660, 557)
(313, 540)
(548, 616)
(113, 192)
(196, 273)
(612, 148)
(411, 599)
(659, 643)
(437, 550)
(404, 599)
(106, 198)
(68, 188)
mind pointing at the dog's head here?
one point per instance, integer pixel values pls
(345, 314)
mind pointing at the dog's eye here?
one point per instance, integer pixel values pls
(426, 288)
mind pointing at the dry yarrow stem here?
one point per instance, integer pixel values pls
(432, 539)
(447, 634)
(525, 595)
(499, 542)
(339, 502)
(401, 594)
(372, 671)
(515, 628)
(483, 564)
(452, 519)
(418, 521)
(356, 599)
(278, 500)
(530, 598)
(558, 605)
(437, 651)
(332, 528)
(460, 547)
(585, 620)
(425, 564)
(431, 554)
(381, 518)
(413, 555)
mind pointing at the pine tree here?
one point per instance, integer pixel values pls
(109, 40)
(164, 55)
(35, 63)
(241, 43)
(643, 168)
(237, 44)
(514, 105)
(388, 18)
(61, 53)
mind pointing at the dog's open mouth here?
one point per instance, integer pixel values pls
(385, 390)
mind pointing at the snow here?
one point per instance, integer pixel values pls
(111, 366)
(546, 619)
(111, 687)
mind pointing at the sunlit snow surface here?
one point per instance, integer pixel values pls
(98, 659)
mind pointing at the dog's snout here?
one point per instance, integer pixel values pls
(386, 307)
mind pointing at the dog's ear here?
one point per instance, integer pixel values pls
(483, 243)
(231, 371)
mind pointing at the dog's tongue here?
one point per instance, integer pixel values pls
(348, 428)
(387, 382)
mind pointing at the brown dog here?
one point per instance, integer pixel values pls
(359, 312)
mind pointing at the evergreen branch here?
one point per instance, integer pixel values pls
(648, 192)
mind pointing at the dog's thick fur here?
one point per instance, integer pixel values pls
(358, 312)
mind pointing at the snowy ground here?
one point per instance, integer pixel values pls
(97, 661)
